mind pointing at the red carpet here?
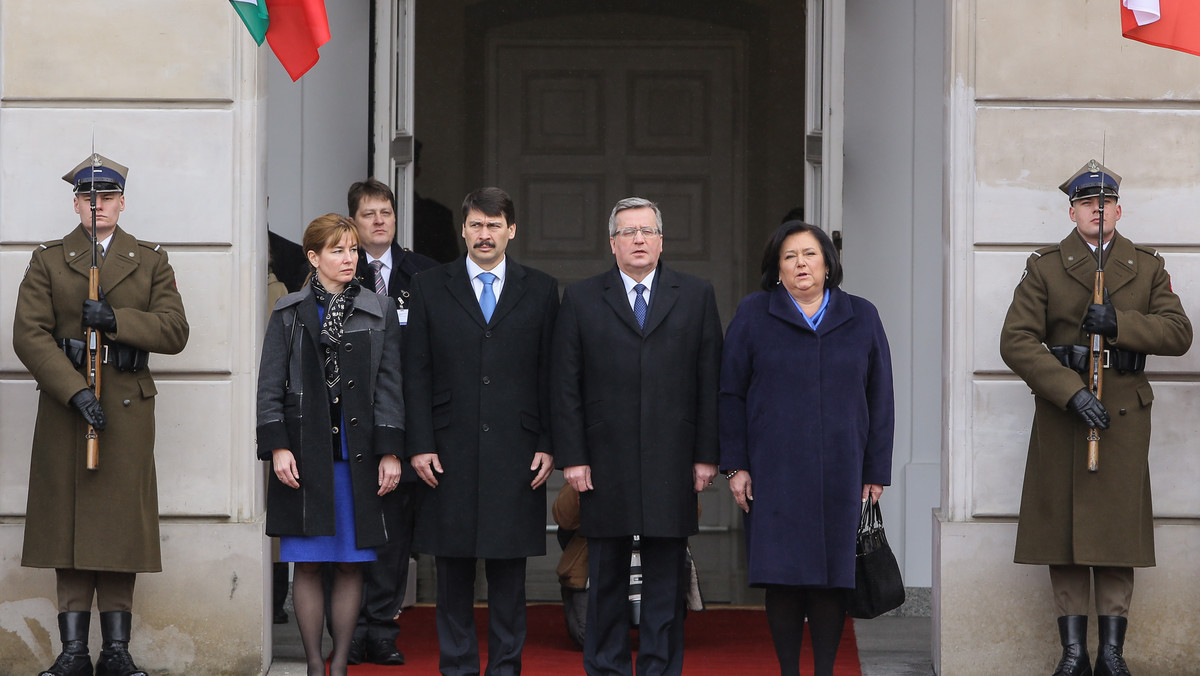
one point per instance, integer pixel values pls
(720, 642)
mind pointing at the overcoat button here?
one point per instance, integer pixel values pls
(126, 403)
(336, 399)
(335, 430)
(358, 457)
(349, 347)
(1122, 411)
(487, 334)
(350, 384)
(486, 427)
(354, 422)
(487, 380)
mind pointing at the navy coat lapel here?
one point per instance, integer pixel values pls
(618, 299)
(838, 311)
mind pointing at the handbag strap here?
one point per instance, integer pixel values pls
(871, 518)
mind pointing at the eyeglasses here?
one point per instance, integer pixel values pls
(629, 233)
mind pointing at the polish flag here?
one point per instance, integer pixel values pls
(1174, 24)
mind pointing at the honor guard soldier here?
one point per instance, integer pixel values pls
(95, 523)
(1079, 304)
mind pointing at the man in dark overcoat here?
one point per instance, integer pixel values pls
(1083, 524)
(386, 268)
(99, 528)
(476, 369)
(637, 354)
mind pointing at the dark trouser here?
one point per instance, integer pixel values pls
(456, 616)
(606, 649)
(77, 588)
(1072, 587)
(385, 580)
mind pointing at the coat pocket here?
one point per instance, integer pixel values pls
(1145, 394)
(441, 410)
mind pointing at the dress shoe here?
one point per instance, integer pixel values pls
(1111, 661)
(114, 655)
(384, 651)
(357, 649)
(1072, 633)
(74, 659)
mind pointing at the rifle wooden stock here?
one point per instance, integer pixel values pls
(93, 340)
(1096, 376)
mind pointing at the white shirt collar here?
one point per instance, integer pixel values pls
(630, 283)
(386, 258)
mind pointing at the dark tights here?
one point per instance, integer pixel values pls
(826, 612)
(308, 596)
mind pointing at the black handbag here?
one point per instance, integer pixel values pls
(878, 587)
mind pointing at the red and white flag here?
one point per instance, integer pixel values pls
(1174, 24)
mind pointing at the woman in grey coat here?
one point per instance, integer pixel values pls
(330, 363)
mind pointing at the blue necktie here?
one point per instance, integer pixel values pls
(487, 299)
(639, 305)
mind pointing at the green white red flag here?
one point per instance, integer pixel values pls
(1174, 24)
(293, 28)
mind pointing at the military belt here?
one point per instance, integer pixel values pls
(1077, 358)
(125, 357)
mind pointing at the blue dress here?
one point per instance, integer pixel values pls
(341, 545)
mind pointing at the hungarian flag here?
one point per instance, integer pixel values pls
(1174, 24)
(293, 28)
(254, 15)
(297, 28)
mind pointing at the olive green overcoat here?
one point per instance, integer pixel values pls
(1069, 515)
(105, 519)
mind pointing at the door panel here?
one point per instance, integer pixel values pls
(576, 127)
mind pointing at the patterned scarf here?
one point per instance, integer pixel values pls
(337, 307)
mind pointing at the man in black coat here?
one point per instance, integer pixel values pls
(476, 371)
(636, 362)
(386, 268)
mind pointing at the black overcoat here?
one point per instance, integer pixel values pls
(293, 412)
(638, 406)
(476, 395)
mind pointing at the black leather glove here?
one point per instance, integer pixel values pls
(1085, 404)
(85, 400)
(1101, 319)
(99, 315)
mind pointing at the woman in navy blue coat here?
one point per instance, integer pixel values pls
(806, 423)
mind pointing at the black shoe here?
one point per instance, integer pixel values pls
(114, 656)
(1110, 661)
(74, 659)
(1072, 633)
(355, 655)
(384, 651)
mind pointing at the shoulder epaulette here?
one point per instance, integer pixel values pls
(1147, 250)
(150, 245)
(51, 243)
(1053, 248)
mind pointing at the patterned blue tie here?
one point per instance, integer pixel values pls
(639, 305)
(487, 299)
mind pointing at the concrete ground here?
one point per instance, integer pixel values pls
(887, 646)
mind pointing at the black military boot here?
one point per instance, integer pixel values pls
(1072, 632)
(1110, 661)
(114, 656)
(74, 659)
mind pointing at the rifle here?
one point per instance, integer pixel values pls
(1096, 360)
(91, 336)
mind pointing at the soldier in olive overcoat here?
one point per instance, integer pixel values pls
(1086, 524)
(98, 528)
